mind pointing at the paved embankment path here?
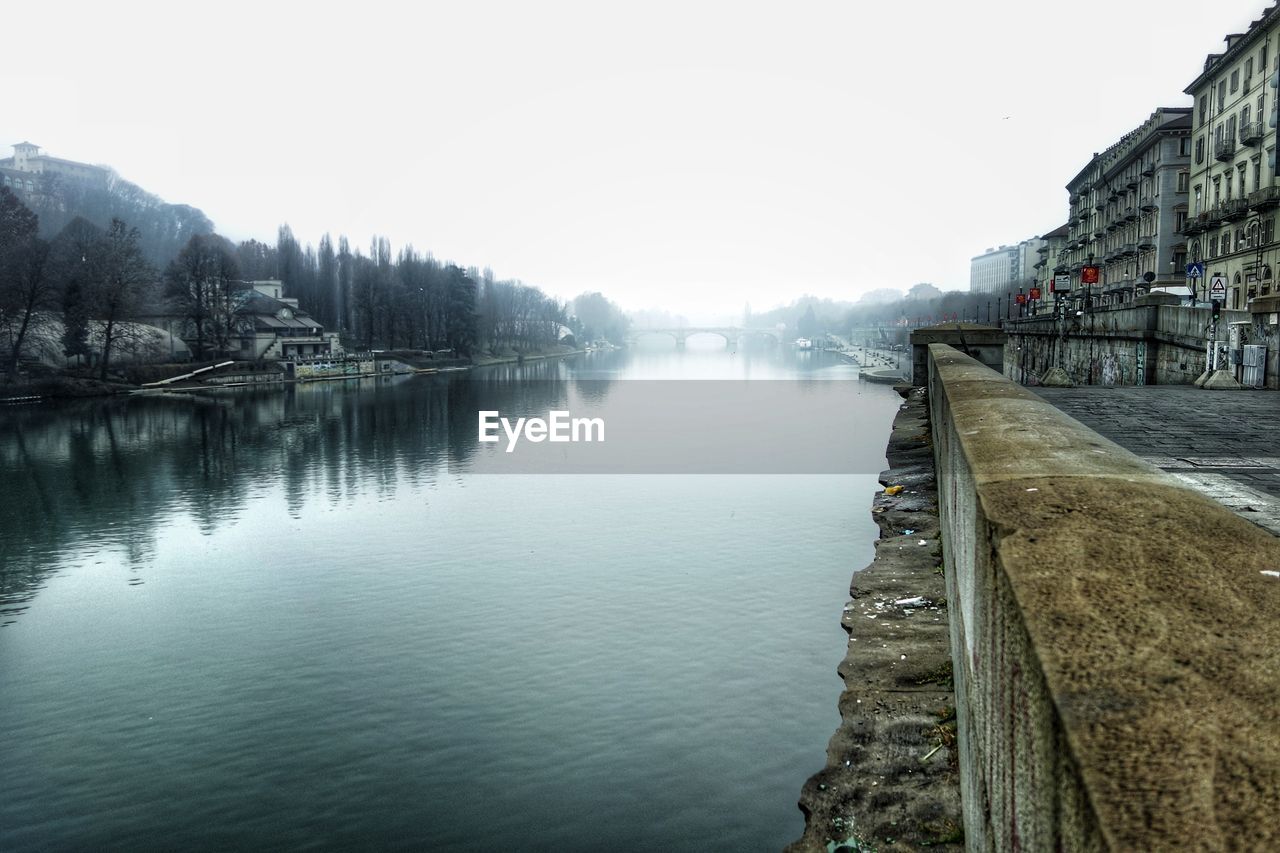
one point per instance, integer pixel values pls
(1224, 444)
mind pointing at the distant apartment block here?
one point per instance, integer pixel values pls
(1126, 209)
(1052, 245)
(1234, 193)
(1004, 269)
(27, 169)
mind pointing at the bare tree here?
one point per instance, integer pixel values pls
(119, 292)
(24, 287)
(200, 282)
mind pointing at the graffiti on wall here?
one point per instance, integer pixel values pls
(333, 368)
(1109, 369)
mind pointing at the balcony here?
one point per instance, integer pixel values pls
(1146, 244)
(1251, 132)
(1148, 170)
(1132, 182)
(1146, 203)
(1224, 149)
(1264, 198)
(1099, 234)
(1100, 206)
(1213, 217)
(1128, 249)
(1234, 210)
(1130, 214)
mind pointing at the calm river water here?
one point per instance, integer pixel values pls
(294, 619)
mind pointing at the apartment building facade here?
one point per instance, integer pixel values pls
(1127, 208)
(1234, 194)
(1052, 245)
(1004, 269)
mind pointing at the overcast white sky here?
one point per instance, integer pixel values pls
(688, 155)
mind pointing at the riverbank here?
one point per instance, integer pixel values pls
(62, 387)
(891, 780)
(517, 358)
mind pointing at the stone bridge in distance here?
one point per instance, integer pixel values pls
(732, 334)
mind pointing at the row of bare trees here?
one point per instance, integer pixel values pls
(92, 280)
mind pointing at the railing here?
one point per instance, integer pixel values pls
(1264, 198)
(1224, 149)
(1147, 203)
(1251, 132)
(1234, 209)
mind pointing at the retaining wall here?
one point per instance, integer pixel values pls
(1133, 345)
(1115, 639)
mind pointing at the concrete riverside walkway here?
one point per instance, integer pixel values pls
(1224, 444)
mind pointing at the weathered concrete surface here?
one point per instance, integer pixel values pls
(1116, 636)
(890, 781)
(985, 343)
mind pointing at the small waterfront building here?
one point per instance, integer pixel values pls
(272, 326)
(1234, 192)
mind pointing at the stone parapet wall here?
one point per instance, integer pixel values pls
(1115, 636)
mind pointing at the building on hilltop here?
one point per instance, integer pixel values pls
(1005, 269)
(25, 170)
(1126, 211)
(1234, 192)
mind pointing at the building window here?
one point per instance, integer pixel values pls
(1235, 80)
(1222, 95)
(1241, 169)
(1248, 73)
(1213, 245)
(1184, 181)
(1197, 210)
(1200, 150)
(1268, 230)
(1257, 173)
(1244, 115)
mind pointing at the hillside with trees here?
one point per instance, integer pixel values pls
(163, 228)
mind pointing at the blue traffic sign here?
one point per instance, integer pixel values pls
(1195, 270)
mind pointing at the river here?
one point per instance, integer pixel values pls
(300, 619)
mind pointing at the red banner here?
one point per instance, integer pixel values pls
(1089, 275)
(1035, 293)
(1021, 299)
